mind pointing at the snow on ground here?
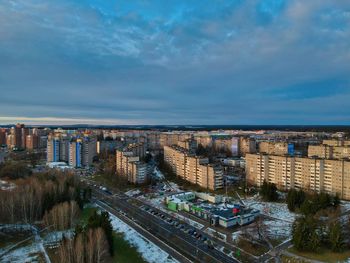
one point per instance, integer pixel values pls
(23, 254)
(132, 193)
(15, 227)
(279, 211)
(53, 238)
(277, 228)
(345, 206)
(149, 251)
(236, 235)
(158, 173)
(7, 186)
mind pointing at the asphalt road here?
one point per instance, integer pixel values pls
(185, 244)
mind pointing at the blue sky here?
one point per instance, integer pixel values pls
(175, 62)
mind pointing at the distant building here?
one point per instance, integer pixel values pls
(78, 151)
(329, 152)
(246, 145)
(2, 136)
(32, 142)
(53, 150)
(75, 153)
(89, 150)
(275, 148)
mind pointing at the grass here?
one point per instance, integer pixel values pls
(252, 248)
(325, 255)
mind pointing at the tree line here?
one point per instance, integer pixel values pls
(310, 233)
(310, 203)
(311, 230)
(92, 242)
(35, 195)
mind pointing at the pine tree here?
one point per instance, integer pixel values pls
(336, 238)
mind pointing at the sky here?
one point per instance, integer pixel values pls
(175, 62)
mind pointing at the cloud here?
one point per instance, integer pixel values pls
(227, 62)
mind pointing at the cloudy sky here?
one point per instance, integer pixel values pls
(175, 61)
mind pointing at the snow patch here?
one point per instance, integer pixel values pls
(149, 251)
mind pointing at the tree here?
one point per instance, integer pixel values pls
(306, 234)
(295, 198)
(268, 192)
(336, 238)
(102, 220)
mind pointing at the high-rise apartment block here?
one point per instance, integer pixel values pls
(129, 164)
(194, 169)
(276, 148)
(2, 136)
(32, 141)
(311, 174)
(53, 150)
(329, 152)
(246, 145)
(336, 142)
(77, 151)
(189, 144)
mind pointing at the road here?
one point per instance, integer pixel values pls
(187, 245)
(175, 254)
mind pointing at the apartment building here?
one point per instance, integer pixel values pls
(2, 136)
(53, 149)
(339, 142)
(32, 141)
(172, 138)
(75, 153)
(128, 164)
(192, 168)
(88, 150)
(76, 150)
(311, 174)
(246, 145)
(203, 139)
(329, 152)
(275, 148)
(227, 143)
(189, 144)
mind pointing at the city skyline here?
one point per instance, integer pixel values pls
(184, 62)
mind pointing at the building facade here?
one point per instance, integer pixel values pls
(310, 174)
(129, 164)
(194, 169)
